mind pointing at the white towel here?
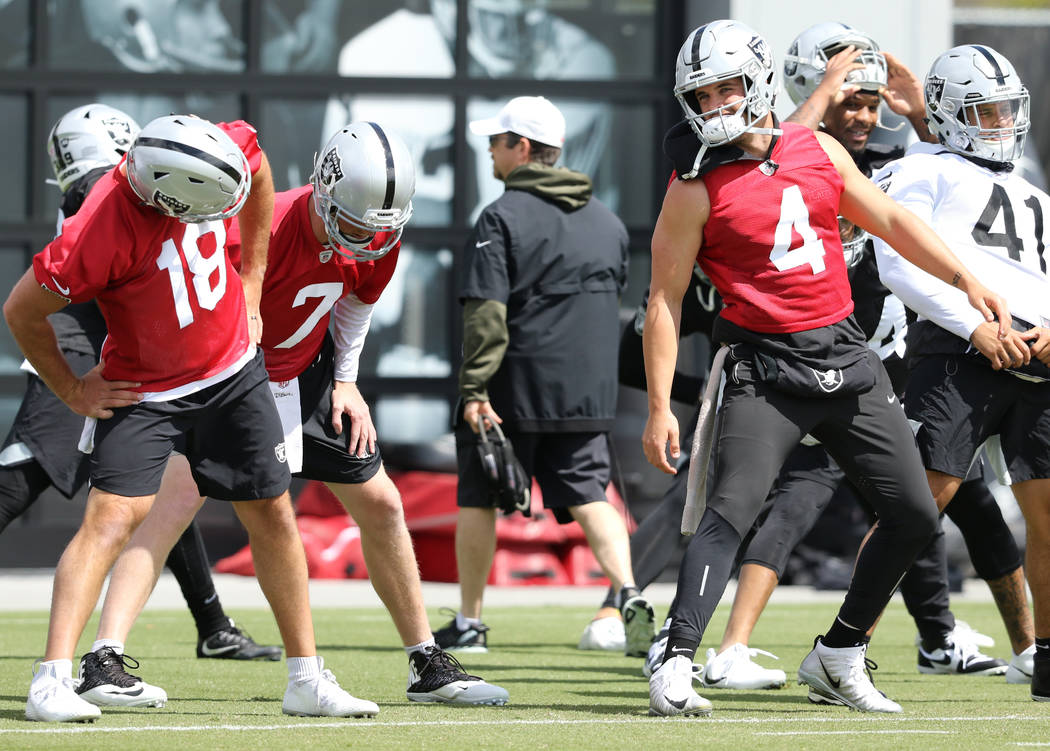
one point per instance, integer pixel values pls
(700, 454)
(286, 397)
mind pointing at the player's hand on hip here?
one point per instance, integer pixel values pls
(1010, 352)
(660, 438)
(475, 408)
(347, 400)
(96, 397)
(1038, 339)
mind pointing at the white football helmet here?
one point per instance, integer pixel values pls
(807, 59)
(969, 80)
(189, 168)
(719, 51)
(364, 177)
(148, 36)
(86, 138)
(853, 239)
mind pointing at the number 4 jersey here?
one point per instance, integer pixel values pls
(994, 222)
(304, 280)
(173, 303)
(771, 244)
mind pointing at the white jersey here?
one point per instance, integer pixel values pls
(998, 224)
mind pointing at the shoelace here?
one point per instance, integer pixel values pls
(967, 652)
(754, 652)
(442, 662)
(112, 666)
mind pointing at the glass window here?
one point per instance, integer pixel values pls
(13, 264)
(13, 188)
(410, 418)
(406, 39)
(409, 335)
(556, 39)
(14, 34)
(146, 36)
(601, 140)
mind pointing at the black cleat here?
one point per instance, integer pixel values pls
(232, 643)
(436, 676)
(470, 639)
(105, 683)
(1041, 680)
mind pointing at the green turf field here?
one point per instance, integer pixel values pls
(561, 698)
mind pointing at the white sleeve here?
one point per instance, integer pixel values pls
(350, 321)
(916, 190)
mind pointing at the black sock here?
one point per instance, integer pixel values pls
(679, 647)
(936, 640)
(1042, 649)
(189, 563)
(610, 599)
(840, 635)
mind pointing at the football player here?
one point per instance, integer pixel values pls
(964, 186)
(765, 230)
(177, 366)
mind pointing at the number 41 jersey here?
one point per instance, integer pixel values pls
(994, 222)
(173, 303)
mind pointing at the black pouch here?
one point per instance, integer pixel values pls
(796, 378)
(508, 483)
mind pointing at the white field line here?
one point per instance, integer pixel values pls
(363, 724)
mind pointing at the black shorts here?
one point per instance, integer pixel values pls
(51, 430)
(961, 401)
(326, 456)
(571, 468)
(233, 441)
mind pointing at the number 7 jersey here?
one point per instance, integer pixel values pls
(304, 280)
(995, 222)
(173, 303)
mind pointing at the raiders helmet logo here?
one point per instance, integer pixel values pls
(325, 255)
(933, 91)
(828, 380)
(119, 131)
(330, 171)
(282, 455)
(172, 204)
(759, 46)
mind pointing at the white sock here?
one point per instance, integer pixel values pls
(300, 668)
(420, 647)
(116, 646)
(54, 669)
(462, 622)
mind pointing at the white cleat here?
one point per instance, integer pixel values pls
(639, 626)
(964, 632)
(1021, 667)
(655, 658)
(734, 668)
(842, 676)
(961, 658)
(321, 696)
(604, 633)
(671, 690)
(54, 699)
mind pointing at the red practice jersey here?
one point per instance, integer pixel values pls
(304, 279)
(173, 302)
(771, 244)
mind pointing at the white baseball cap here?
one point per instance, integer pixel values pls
(531, 116)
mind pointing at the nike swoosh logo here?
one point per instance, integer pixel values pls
(59, 287)
(832, 681)
(680, 704)
(211, 652)
(891, 398)
(946, 660)
(476, 245)
(678, 650)
(129, 692)
(716, 681)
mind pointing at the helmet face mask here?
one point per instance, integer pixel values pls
(189, 169)
(86, 138)
(722, 51)
(967, 82)
(853, 240)
(807, 59)
(363, 183)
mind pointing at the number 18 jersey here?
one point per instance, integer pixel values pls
(173, 303)
(771, 243)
